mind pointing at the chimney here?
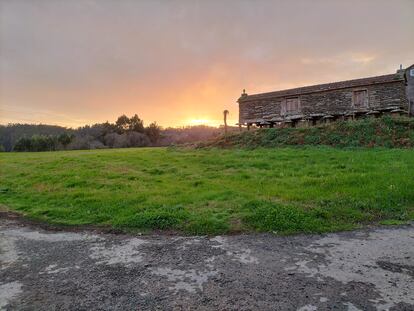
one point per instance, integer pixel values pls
(401, 70)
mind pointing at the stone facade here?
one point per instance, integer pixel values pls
(409, 78)
(327, 102)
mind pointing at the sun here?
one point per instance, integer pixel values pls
(203, 121)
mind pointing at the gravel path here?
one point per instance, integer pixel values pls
(361, 270)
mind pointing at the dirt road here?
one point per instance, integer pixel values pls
(362, 270)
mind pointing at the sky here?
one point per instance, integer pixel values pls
(182, 62)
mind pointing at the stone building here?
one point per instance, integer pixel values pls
(323, 103)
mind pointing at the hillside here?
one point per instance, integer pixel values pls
(382, 132)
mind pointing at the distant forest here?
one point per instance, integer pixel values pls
(125, 132)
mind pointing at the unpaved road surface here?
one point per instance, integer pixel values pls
(362, 270)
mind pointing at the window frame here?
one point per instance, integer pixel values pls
(285, 110)
(366, 102)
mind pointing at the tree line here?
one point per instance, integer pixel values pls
(123, 133)
(43, 142)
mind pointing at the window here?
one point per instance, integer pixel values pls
(360, 99)
(290, 105)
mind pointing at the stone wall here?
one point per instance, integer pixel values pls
(410, 88)
(381, 97)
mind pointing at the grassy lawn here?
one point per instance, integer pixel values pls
(286, 190)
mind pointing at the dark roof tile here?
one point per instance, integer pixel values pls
(324, 87)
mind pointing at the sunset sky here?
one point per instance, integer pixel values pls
(183, 62)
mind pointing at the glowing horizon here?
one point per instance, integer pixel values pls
(183, 62)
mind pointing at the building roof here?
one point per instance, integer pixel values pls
(325, 87)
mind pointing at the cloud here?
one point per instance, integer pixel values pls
(176, 60)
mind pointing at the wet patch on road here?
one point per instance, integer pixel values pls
(363, 270)
(8, 292)
(128, 252)
(383, 258)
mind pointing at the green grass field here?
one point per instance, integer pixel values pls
(285, 190)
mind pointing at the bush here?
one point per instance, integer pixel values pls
(130, 139)
(135, 139)
(81, 142)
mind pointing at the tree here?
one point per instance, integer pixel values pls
(136, 124)
(36, 143)
(51, 143)
(22, 144)
(153, 132)
(43, 143)
(108, 128)
(11, 133)
(65, 139)
(122, 124)
(225, 114)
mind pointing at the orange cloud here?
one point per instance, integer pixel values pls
(180, 62)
